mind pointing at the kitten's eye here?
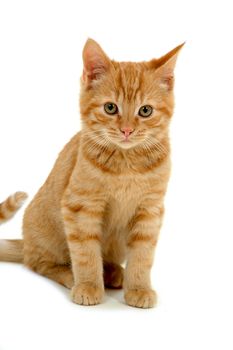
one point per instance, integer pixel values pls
(110, 108)
(145, 111)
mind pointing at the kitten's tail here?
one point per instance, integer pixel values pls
(9, 207)
(11, 250)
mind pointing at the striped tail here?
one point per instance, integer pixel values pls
(11, 250)
(9, 207)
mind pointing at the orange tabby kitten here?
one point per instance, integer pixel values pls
(102, 203)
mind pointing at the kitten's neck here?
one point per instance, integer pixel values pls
(112, 159)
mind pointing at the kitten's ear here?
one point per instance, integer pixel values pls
(95, 61)
(164, 67)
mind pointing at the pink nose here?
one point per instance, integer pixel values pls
(127, 131)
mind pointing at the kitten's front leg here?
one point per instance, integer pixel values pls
(83, 219)
(144, 230)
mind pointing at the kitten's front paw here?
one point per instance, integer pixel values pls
(87, 294)
(143, 298)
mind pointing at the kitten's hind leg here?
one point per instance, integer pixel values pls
(113, 276)
(61, 274)
(58, 273)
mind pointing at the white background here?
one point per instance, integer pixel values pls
(40, 64)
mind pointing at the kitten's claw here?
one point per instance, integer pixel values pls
(143, 298)
(87, 294)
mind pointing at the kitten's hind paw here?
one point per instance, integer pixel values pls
(113, 276)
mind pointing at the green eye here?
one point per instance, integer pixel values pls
(110, 108)
(145, 111)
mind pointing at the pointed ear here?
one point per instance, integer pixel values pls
(164, 67)
(95, 61)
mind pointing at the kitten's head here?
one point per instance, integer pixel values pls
(125, 103)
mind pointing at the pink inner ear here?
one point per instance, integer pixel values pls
(168, 80)
(166, 74)
(95, 63)
(95, 69)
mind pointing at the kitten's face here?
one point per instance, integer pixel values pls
(126, 104)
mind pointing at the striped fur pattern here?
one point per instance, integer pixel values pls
(9, 207)
(102, 204)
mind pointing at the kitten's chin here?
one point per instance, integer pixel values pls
(126, 144)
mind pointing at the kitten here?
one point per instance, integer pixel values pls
(102, 203)
(9, 207)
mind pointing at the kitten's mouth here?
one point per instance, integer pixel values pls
(126, 139)
(123, 143)
(127, 142)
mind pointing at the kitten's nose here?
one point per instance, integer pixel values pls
(127, 131)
